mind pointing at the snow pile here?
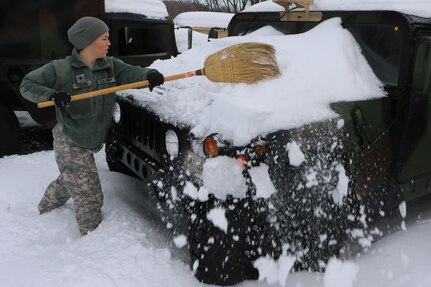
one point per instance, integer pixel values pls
(128, 249)
(154, 9)
(25, 120)
(125, 250)
(310, 64)
(340, 274)
(420, 8)
(342, 187)
(296, 156)
(403, 212)
(262, 181)
(191, 191)
(203, 19)
(274, 271)
(180, 241)
(218, 218)
(181, 38)
(223, 175)
(266, 6)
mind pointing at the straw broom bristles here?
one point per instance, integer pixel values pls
(242, 63)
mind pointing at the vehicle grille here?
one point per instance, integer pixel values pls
(142, 129)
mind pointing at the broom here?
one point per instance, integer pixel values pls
(241, 63)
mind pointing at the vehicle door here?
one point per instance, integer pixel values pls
(416, 147)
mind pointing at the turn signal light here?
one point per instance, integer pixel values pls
(210, 147)
(260, 149)
(242, 160)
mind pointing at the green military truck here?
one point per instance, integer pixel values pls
(383, 145)
(33, 33)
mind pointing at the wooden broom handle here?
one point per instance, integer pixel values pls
(134, 85)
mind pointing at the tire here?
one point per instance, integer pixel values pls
(216, 258)
(9, 131)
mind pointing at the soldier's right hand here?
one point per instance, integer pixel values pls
(61, 98)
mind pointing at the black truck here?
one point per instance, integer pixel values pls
(383, 147)
(33, 33)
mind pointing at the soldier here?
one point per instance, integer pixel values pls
(81, 126)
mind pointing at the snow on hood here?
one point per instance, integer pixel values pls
(319, 67)
(154, 9)
(420, 8)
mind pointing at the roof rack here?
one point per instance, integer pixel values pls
(298, 16)
(298, 3)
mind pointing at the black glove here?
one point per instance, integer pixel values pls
(61, 98)
(155, 78)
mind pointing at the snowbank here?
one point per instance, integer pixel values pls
(131, 249)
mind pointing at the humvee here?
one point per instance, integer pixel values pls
(382, 147)
(34, 33)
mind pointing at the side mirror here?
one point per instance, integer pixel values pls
(189, 36)
(216, 33)
(212, 34)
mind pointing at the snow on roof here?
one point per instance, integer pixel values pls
(267, 6)
(203, 19)
(155, 9)
(420, 8)
(310, 80)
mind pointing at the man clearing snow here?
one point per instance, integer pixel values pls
(82, 126)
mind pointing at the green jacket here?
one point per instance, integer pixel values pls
(85, 122)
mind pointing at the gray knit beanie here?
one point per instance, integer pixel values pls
(85, 31)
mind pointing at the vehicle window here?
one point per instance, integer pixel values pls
(285, 27)
(421, 75)
(416, 157)
(141, 41)
(381, 46)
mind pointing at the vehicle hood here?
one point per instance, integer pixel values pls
(319, 67)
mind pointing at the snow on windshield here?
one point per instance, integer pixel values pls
(319, 67)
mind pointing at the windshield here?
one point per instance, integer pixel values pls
(380, 43)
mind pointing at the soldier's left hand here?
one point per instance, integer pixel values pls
(155, 78)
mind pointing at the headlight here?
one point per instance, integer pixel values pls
(116, 113)
(172, 143)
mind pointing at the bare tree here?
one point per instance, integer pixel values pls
(176, 7)
(226, 5)
(233, 6)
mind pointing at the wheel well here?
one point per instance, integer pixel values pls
(8, 97)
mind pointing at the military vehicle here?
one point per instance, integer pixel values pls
(383, 146)
(34, 33)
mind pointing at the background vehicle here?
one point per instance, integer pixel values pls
(32, 34)
(215, 22)
(382, 147)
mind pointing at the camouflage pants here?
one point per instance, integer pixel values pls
(78, 179)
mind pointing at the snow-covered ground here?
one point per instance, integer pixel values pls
(132, 248)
